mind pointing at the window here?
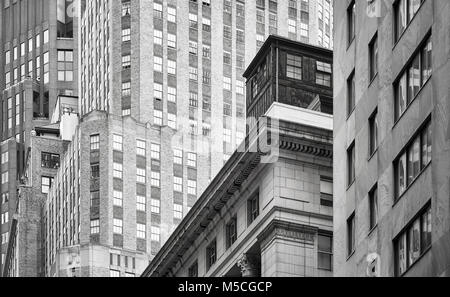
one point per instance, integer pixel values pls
(193, 73)
(351, 99)
(192, 187)
(46, 67)
(227, 83)
(95, 171)
(157, 10)
(206, 24)
(155, 206)
(211, 254)
(126, 7)
(5, 218)
(206, 51)
(253, 209)
(157, 64)
(373, 208)
(178, 211)
(193, 99)
(413, 242)
(172, 120)
(240, 85)
(373, 133)
(141, 148)
(178, 156)
(414, 159)
(206, 77)
(46, 183)
(351, 171)
(171, 67)
(141, 175)
(373, 58)
(141, 203)
(227, 58)
(48, 160)
(227, 32)
(171, 40)
(240, 35)
(413, 79)
(126, 89)
(155, 151)
(351, 22)
(156, 179)
(95, 142)
(126, 35)
(156, 233)
(65, 65)
(172, 94)
(7, 57)
(118, 142)
(126, 62)
(193, 270)
(351, 235)
(157, 37)
(323, 74)
(95, 226)
(117, 170)
(157, 91)
(193, 47)
(326, 191)
(325, 252)
(171, 14)
(178, 184)
(157, 117)
(46, 36)
(294, 67)
(141, 231)
(192, 160)
(117, 226)
(292, 26)
(404, 12)
(231, 232)
(193, 21)
(117, 198)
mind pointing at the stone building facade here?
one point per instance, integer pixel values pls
(391, 144)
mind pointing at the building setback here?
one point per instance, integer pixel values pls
(38, 58)
(391, 144)
(269, 210)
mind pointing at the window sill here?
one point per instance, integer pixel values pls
(351, 112)
(373, 79)
(351, 42)
(412, 183)
(351, 255)
(350, 186)
(412, 101)
(372, 155)
(372, 230)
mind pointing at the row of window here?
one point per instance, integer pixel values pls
(22, 51)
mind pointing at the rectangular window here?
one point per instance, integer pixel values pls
(157, 10)
(413, 242)
(193, 73)
(171, 67)
(252, 209)
(326, 191)
(157, 37)
(171, 40)
(157, 64)
(117, 226)
(126, 89)
(155, 151)
(117, 170)
(192, 187)
(193, 47)
(373, 133)
(294, 67)
(155, 206)
(157, 117)
(95, 226)
(141, 175)
(206, 51)
(157, 91)
(126, 62)
(413, 79)
(156, 179)
(141, 231)
(227, 83)
(404, 12)
(351, 235)
(126, 7)
(95, 142)
(192, 160)
(117, 198)
(46, 184)
(156, 234)
(141, 203)
(178, 211)
(373, 208)
(193, 24)
(48, 160)
(325, 252)
(126, 35)
(171, 14)
(351, 99)
(178, 184)
(118, 142)
(414, 159)
(141, 148)
(193, 270)
(193, 99)
(65, 65)
(211, 254)
(172, 120)
(178, 156)
(206, 24)
(323, 74)
(172, 94)
(231, 232)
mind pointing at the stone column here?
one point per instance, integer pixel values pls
(248, 265)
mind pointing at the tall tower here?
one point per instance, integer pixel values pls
(38, 58)
(162, 102)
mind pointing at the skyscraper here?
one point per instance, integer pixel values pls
(162, 107)
(391, 168)
(39, 60)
